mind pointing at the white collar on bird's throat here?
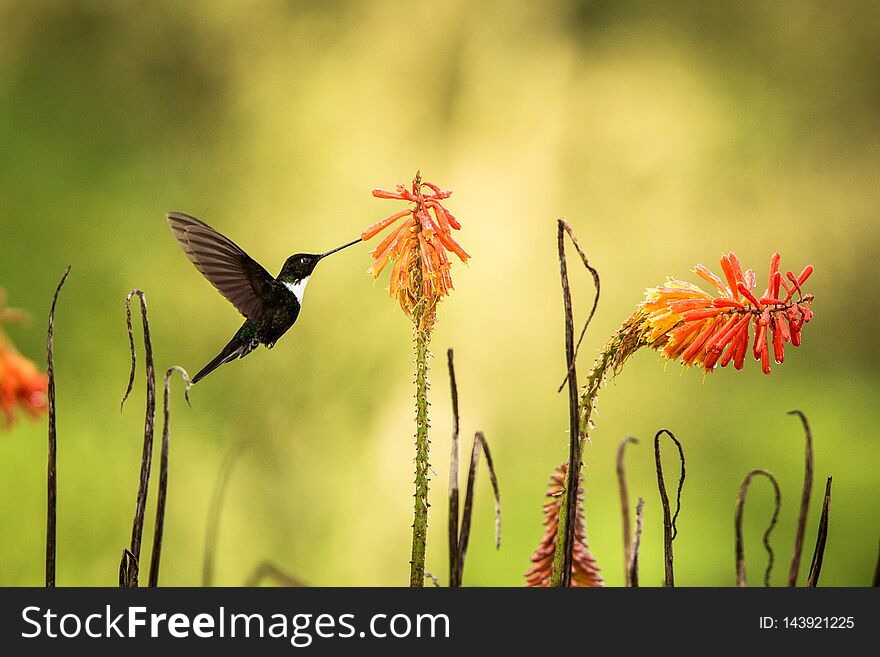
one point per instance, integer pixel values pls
(298, 288)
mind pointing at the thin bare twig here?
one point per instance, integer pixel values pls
(567, 521)
(137, 529)
(159, 527)
(805, 500)
(52, 480)
(496, 491)
(459, 536)
(453, 478)
(670, 531)
(269, 570)
(624, 504)
(464, 537)
(819, 552)
(596, 284)
(740, 503)
(213, 529)
(633, 577)
(479, 443)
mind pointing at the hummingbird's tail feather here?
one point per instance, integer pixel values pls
(235, 349)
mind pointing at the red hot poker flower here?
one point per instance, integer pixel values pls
(418, 245)
(21, 383)
(584, 570)
(684, 322)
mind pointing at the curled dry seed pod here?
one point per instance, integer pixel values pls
(738, 521)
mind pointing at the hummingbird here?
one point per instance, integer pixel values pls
(269, 304)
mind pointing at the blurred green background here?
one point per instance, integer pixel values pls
(666, 133)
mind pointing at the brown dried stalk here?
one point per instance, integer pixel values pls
(563, 555)
(670, 531)
(52, 471)
(624, 504)
(633, 577)
(740, 503)
(159, 528)
(596, 283)
(453, 477)
(480, 443)
(819, 552)
(131, 577)
(805, 500)
(567, 519)
(459, 537)
(213, 528)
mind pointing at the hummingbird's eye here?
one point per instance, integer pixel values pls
(302, 260)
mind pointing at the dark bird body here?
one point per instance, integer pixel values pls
(269, 304)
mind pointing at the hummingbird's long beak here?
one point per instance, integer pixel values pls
(339, 248)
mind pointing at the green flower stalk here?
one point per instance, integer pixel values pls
(420, 277)
(420, 511)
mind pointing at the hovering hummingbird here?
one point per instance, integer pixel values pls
(270, 305)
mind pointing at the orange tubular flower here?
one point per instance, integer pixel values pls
(21, 383)
(584, 571)
(418, 245)
(684, 322)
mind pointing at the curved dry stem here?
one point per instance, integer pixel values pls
(596, 284)
(52, 469)
(147, 453)
(670, 531)
(453, 476)
(819, 552)
(159, 528)
(633, 576)
(212, 530)
(561, 574)
(740, 503)
(805, 500)
(496, 491)
(624, 504)
(433, 578)
(480, 443)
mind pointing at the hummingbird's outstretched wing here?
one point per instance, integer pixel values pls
(237, 276)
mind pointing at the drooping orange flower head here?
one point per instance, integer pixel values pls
(22, 385)
(684, 322)
(418, 245)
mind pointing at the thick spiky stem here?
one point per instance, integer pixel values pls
(422, 335)
(420, 511)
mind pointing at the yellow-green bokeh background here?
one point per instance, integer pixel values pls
(664, 133)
